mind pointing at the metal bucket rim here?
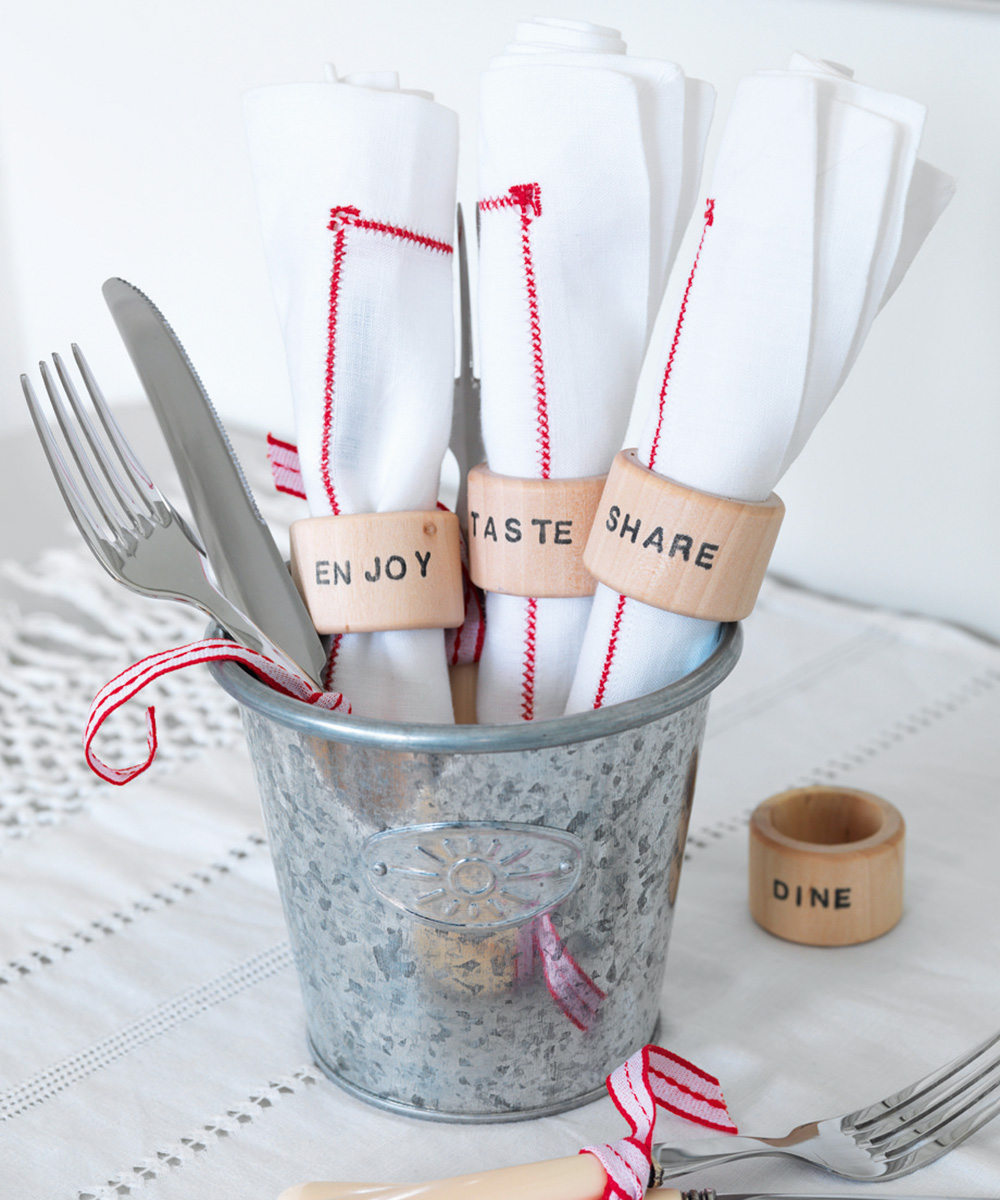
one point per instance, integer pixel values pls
(252, 693)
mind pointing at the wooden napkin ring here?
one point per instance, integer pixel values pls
(374, 571)
(526, 536)
(680, 549)
(826, 866)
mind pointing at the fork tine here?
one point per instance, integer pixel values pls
(79, 509)
(157, 505)
(113, 514)
(937, 1098)
(144, 487)
(956, 1132)
(863, 1119)
(123, 495)
(946, 1120)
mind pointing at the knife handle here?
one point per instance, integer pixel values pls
(580, 1177)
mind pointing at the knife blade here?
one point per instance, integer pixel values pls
(238, 543)
(466, 441)
(712, 1194)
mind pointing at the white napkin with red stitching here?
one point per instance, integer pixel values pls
(355, 182)
(589, 162)
(817, 207)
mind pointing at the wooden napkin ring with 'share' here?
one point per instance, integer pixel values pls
(680, 549)
(378, 571)
(526, 536)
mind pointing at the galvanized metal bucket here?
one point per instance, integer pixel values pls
(479, 914)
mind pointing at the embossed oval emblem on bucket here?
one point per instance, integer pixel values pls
(473, 874)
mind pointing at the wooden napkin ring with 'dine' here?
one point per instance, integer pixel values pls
(680, 549)
(376, 571)
(826, 866)
(526, 536)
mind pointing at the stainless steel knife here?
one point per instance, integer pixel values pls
(527, 1183)
(466, 441)
(712, 1194)
(577, 1177)
(238, 543)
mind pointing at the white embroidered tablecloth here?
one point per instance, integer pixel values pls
(152, 1039)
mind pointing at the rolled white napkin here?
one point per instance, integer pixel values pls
(817, 206)
(589, 162)
(355, 182)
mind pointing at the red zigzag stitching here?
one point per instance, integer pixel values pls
(528, 198)
(620, 610)
(528, 675)
(709, 220)
(341, 218)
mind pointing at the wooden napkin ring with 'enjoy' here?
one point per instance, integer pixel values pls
(376, 571)
(527, 536)
(680, 549)
(826, 866)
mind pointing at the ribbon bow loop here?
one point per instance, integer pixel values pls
(654, 1076)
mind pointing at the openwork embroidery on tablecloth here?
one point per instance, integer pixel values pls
(127, 915)
(79, 628)
(133, 1179)
(979, 686)
(159, 1021)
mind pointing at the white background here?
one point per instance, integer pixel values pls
(122, 153)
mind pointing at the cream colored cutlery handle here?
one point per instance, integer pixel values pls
(580, 1177)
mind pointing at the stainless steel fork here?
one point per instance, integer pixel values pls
(133, 530)
(892, 1137)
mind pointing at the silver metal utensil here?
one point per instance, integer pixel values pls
(894, 1136)
(131, 527)
(712, 1194)
(514, 1187)
(245, 560)
(466, 441)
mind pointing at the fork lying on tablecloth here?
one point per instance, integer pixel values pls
(892, 1137)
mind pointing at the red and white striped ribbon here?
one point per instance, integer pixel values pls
(464, 645)
(650, 1077)
(286, 469)
(576, 995)
(569, 985)
(133, 679)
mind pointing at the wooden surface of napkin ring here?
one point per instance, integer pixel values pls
(527, 536)
(680, 549)
(374, 571)
(826, 865)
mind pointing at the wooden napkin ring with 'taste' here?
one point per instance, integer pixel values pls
(376, 571)
(527, 536)
(679, 549)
